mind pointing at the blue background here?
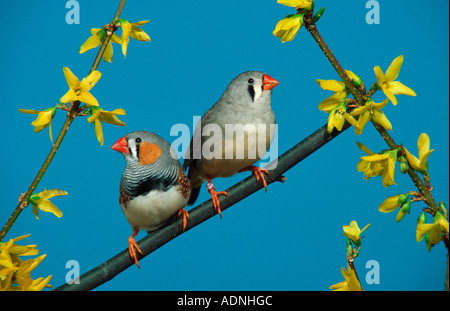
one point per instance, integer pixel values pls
(289, 238)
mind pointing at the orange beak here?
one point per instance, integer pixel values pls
(121, 145)
(269, 83)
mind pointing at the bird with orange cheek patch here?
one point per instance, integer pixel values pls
(153, 187)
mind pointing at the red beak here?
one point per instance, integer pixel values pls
(269, 83)
(121, 145)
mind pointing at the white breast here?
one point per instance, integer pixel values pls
(150, 211)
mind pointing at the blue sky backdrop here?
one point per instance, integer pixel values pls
(289, 238)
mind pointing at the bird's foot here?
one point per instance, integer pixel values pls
(131, 247)
(182, 212)
(214, 196)
(258, 172)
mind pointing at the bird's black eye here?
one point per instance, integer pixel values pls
(251, 80)
(138, 140)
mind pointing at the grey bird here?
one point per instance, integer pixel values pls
(233, 134)
(153, 187)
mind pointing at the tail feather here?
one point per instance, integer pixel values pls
(194, 195)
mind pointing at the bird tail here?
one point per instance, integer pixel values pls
(194, 195)
(196, 183)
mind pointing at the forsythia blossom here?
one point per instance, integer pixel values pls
(298, 4)
(350, 283)
(98, 35)
(41, 201)
(287, 28)
(131, 30)
(98, 115)
(353, 232)
(375, 164)
(43, 119)
(15, 274)
(423, 145)
(387, 83)
(432, 232)
(371, 111)
(80, 90)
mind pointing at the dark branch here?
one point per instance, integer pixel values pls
(112, 267)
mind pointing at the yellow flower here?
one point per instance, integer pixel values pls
(43, 119)
(41, 201)
(98, 115)
(339, 89)
(80, 90)
(376, 164)
(131, 30)
(287, 28)
(392, 203)
(423, 145)
(353, 232)
(371, 111)
(337, 118)
(432, 232)
(98, 35)
(298, 4)
(351, 282)
(15, 273)
(23, 279)
(19, 250)
(387, 83)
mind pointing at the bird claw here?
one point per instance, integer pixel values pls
(131, 248)
(258, 172)
(214, 196)
(182, 212)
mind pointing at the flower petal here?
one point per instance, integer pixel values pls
(29, 111)
(362, 121)
(364, 148)
(70, 96)
(92, 42)
(71, 79)
(47, 194)
(381, 119)
(88, 83)
(47, 206)
(423, 144)
(394, 69)
(390, 204)
(99, 131)
(331, 85)
(290, 34)
(139, 34)
(380, 75)
(412, 160)
(88, 99)
(399, 88)
(390, 95)
(108, 55)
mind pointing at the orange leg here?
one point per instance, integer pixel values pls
(132, 244)
(214, 196)
(258, 172)
(182, 212)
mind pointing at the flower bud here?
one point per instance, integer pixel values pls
(443, 209)
(422, 218)
(403, 164)
(403, 211)
(318, 15)
(403, 199)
